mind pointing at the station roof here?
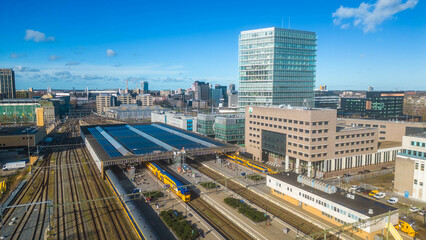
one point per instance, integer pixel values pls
(123, 143)
(359, 204)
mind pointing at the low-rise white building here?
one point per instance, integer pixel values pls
(174, 119)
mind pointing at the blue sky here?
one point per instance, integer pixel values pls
(99, 44)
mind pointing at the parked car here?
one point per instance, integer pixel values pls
(421, 212)
(360, 189)
(380, 195)
(366, 171)
(392, 200)
(384, 168)
(353, 188)
(413, 209)
(346, 175)
(360, 172)
(372, 193)
(366, 191)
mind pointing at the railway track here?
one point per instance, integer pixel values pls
(218, 221)
(287, 216)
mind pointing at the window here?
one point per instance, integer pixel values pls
(415, 181)
(421, 183)
(422, 167)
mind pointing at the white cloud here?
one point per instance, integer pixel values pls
(25, 69)
(110, 53)
(369, 16)
(37, 36)
(16, 55)
(54, 57)
(72, 64)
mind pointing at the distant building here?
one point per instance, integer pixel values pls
(277, 66)
(224, 95)
(21, 136)
(124, 99)
(104, 100)
(24, 94)
(410, 177)
(205, 124)
(174, 119)
(131, 112)
(17, 110)
(230, 129)
(231, 88)
(145, 100)
(7, 83)
(216, 97)
(201, 91)
(379, 105)
(144, 86)
(326, 99)
(233, 100)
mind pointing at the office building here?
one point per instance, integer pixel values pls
(104, 100)
(388, 130)
(326, 99)
(378, 105)
(216, 97)
(205, 124)
(233, 100)
(12, 137)
(310, 139)
(224, 95)
(410, 177)
(144, 87)
(7, 83)
(201, 91)
(276, 67)
(230, 129)
(174, 119)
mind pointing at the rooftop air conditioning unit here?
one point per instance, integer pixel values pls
(370, 211)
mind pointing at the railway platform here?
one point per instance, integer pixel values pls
(272, 229)
(145, 181)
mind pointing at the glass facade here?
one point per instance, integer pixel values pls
(277, 66)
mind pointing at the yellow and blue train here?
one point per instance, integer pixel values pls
(251, 165)
(176, 186)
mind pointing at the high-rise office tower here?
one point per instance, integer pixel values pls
(144, 86)
(277, 66)
(7, 83)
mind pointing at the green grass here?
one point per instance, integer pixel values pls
(209, 185)
(255, 177)
(251, 213)
(181, 227)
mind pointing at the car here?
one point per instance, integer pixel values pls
(421, 212)
(366, 191)
(359, 189)
(366, 171)
(380, 195)
(384, 168)
(353, 188)
(360, 172)
(372, 193)
(392, 200)
(413, 209)
(346, 175)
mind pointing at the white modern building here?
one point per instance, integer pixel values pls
(174, 119)
(410, 175)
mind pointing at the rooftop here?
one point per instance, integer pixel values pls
(389, 144)
(297, 108)
(344, 128)
(6, 131)
(359, 204)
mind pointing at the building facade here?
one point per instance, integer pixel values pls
(230, 129)
(309, 139)
(201, 91)
(174, 119)
(145, 99)
(277, 66)
(410, 175)
(17, 110)
(144, 86)
(205, 124)
(7, 83)
(103, 101)
(124, 99)
(130, 112)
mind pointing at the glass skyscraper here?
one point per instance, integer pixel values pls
(277, 66)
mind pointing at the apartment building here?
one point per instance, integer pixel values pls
(145, 100)
(410, 175)
(104, 100)
(310, 139)
(124, 99)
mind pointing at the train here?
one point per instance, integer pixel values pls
(407, 225)
(139, 222)
(251, 165)
(175, 185)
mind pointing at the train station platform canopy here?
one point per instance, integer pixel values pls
(122, 143)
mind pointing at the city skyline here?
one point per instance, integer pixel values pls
(360, 44)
